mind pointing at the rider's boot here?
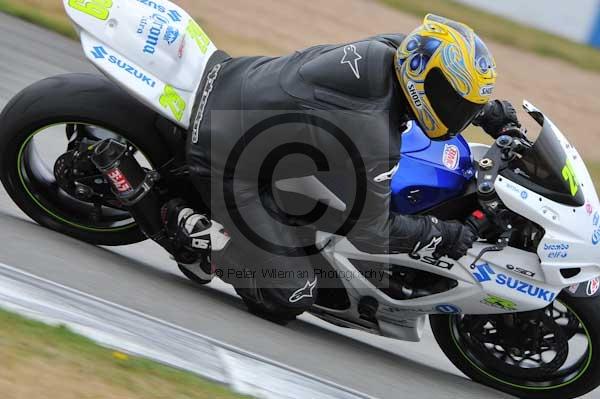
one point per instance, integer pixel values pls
(195, 236)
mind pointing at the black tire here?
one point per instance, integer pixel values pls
(74, 98)
(192, 277)
(587, 311)
(277, 316)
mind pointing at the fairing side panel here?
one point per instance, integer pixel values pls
(154, 49)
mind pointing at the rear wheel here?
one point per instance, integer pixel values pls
(43, 131)
(551, 353)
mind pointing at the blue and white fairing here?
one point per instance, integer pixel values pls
(431, 172)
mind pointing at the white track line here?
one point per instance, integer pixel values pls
(120, 327)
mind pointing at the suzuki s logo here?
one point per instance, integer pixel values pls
(483, 273)
(99, 52)
(174, 15)
(414, 94)
(596, 237)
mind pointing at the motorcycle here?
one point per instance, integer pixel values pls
(94, 157)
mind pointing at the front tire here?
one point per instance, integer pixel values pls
(564, 383)
(73, 99)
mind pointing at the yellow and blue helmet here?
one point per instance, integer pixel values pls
(447, 74)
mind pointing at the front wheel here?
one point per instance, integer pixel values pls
(550, 353)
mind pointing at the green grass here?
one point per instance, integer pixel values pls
(505, 31)
(27, 346)
(59, 24)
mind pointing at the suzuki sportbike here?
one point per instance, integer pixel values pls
(94, 157)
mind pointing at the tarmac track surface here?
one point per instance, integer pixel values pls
(143, 278)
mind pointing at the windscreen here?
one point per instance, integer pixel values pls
(546, 170)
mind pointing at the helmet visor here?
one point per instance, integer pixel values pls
(454, 111)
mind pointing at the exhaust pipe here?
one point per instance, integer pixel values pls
(133, 187)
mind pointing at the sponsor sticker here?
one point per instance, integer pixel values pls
(486, 273)
(119, 181)
(100, 53)
(448, 309)
(573, 288)
(592, 286)
(154, 5)
(596, 233)
(157, 25)
(500, 303)
(142, 25)
(171, 35)
(197, 34)
(596, 237)
(174, 15)
(425, 254)
(522, 193)
(525, 288)
(171, 100)
(520, 270)
(556, 251)
(414, 94)
(486, 90)
(181, 48)
(95, 8)
(451, 156)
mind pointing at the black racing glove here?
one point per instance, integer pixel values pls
(451, 239)
(456, 240)
(496, 116)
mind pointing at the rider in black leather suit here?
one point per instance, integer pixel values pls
(359, 77)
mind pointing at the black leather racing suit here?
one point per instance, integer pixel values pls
(357, 78)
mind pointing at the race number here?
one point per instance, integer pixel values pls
(199, 36)
(172, 100)
(569, 176)
(96, 8)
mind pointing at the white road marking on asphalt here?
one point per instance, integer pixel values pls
(116, 326)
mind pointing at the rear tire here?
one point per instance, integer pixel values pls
(74, 98)
(587, 379)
